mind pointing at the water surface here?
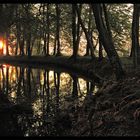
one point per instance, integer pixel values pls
(47, 92)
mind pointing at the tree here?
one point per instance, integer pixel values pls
(87, 34)
(100, 49)
(135, 34)
(20, 30)
(119, 17)
(74, 31)
(74, 89)
(58, 29)
(28, 28)
(107, 41)
(6, 15)
(78, 35)
(48, 29)
(44, 29)
(57, 86)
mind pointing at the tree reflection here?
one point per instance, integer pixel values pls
(57, 86)
(28, 71)
(7, 80)
(46, 90)
(20, 79)
(75, 89)
(90, 87)
(2, 78)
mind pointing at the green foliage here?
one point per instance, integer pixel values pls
(120, 16)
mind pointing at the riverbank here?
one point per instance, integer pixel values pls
(84, 67)
(113, 111)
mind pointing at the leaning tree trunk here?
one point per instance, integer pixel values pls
(89, 42)
(107, 41)
(107, 21)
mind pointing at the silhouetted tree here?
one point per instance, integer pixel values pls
(135, 34)
(58, 29)
(87, 34)
(75, 88)
(48, 28)
(107, 41)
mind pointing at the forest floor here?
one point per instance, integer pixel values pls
(113, 111)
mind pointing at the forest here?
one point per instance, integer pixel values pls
(69, 69)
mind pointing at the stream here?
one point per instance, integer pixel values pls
(41, 95)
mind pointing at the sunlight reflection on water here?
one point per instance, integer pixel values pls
(47, 92)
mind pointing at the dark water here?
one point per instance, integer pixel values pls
(32, 99)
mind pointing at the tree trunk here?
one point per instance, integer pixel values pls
(89, 42)
(100, 50)
(48, 92)
(107, 42)
(54, 50)
(29, 84)
(6, 39)
(48, 30)
(28, 29)
(21, 44)
(135, 35)
(18, 37)
(29, 45)
(58, 29)
(75, 89)
(89, 32)
(7, 80)
(44, 32)
(74, 31)
(78, 31)
(17, 33)
(107, 20)
(57, 86)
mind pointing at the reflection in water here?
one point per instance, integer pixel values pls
(48, 92)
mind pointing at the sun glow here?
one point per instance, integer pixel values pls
(1, 44)
(2, 47)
